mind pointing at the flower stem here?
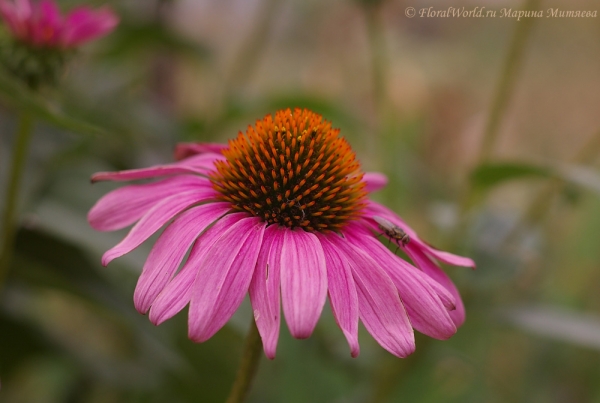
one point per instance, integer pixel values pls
(502, 96)
(252, 50)
(508, 78)
(542, 200)
(248, 366)
(380, 116)
(16, 170)
(375, 36)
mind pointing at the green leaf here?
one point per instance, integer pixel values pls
(488, 175)
(241, 111)
(46, 261)
(132, 39)
(21, 97)
(24, 340)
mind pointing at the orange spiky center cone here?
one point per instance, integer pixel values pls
(294, 170)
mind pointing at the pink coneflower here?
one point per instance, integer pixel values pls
(282, 213)
(42, 25)
(42, 40)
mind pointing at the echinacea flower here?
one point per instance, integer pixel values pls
(42, 25)
(41, 39)
(282, 213)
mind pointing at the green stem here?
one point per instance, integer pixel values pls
(379, 69)
(248, 366)
(253, 48)
(9, 218)
(502, 96)
(376, 46)
(508, 78)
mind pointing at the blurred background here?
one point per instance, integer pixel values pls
(489, 132)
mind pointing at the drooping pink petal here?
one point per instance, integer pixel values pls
(83, 24)
(124, 206)
(265, 289)
(380, 307)
(170, 249)
(177, 293)
(448, 258)
(145, 173)
(303, 281)
(435, 272)
(47, 29)
(185, 150)
(374, 181)
(11, 16)
(342, 292)
(152, 221)
(23, 9)
(198, 164)
(359, 235)
(424, 307)
(377, 209)
(224, 278)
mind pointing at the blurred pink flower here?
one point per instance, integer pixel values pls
(42, 25)
(282, 213)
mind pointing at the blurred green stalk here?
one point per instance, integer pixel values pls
(542, 201)
(508, 78)
(250, 53)
(248, 365)
(378, 61)
(9, 218)
(375, 31)
(502, 96)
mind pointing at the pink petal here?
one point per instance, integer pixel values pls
(265, 289)
(205, 161)
(342, 292)
(46, 30)
(11, 17)
(178, 292)
(185, 150)
(145, 173)
(359, 234)
(84, 24)
(448, 258)
(432, 270)
(170, 249)
(199, 164)
(374, 181)
(122, 207)
(445, 257)
(380, 307)
(303, 281)
(152, 221)
(224, 278)
(425, 309)
(23, 9)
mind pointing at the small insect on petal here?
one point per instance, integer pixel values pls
(392, 231)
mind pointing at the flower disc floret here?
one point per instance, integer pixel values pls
(294, 170)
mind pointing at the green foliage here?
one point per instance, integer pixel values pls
(68, 329)
(19, 96)
(140, 39)
(487, 176)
